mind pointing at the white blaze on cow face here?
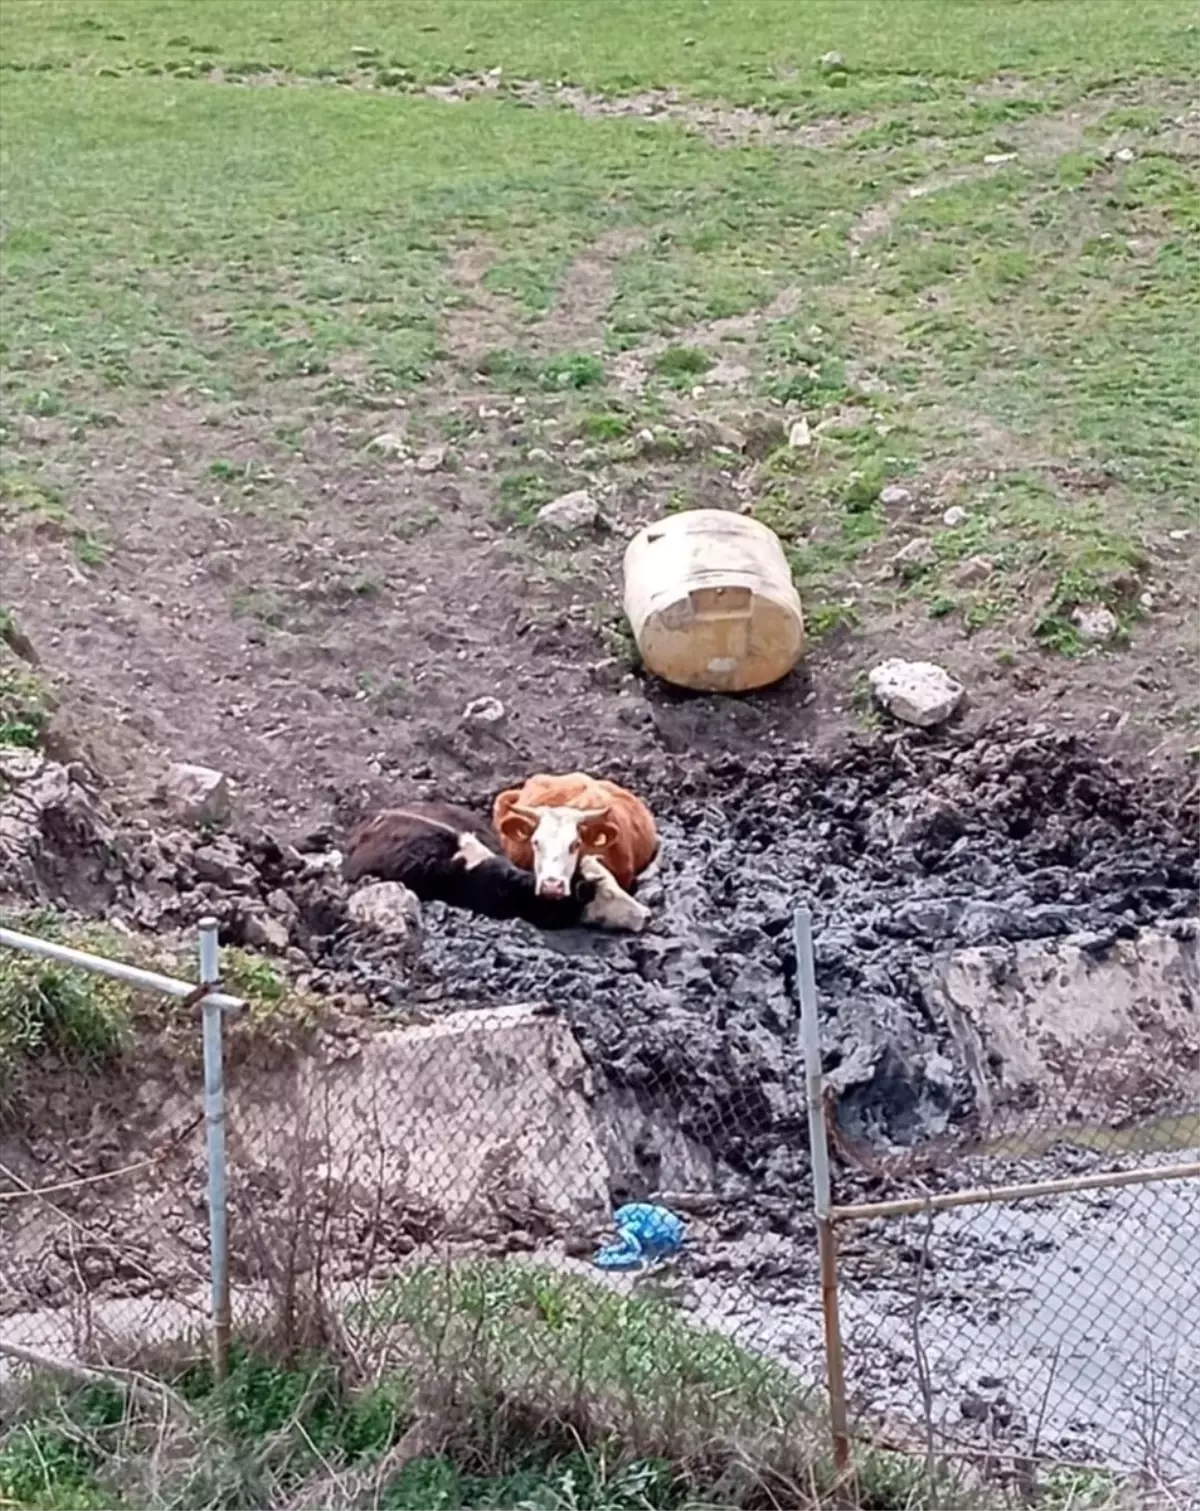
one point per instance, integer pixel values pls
(557, 845)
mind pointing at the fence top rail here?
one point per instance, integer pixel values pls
(941, 1201)
(100, 965)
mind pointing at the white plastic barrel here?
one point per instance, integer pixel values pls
(711, 602)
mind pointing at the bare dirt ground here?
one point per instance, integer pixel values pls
(317, 628)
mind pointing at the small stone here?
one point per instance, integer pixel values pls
(832, 62)
(645, 437)
(1124, 155)
(266, 934)
(570, 511)
(800, 435)
(221, 864)
(893, 495)
(196, 794)
(390, 443)
(1095, 623)
(538, 454)
(387, 908)
(994, 159)
(486, 710)
(431, 460)
(916, 692)
(974, 570)
(913, 557)
(280, 903)
(954, 516)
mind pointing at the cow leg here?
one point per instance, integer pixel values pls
(612, 907)
(472, 851)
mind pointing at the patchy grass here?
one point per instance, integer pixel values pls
(541, 1330)
(518, 371)
(52, 1010)
(25, 702)
(26, 498)
(520, 495)
(981, 280)
(682, 365)
(52, 1014)
(487, 1384)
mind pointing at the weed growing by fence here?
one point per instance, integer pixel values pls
(49, 1009)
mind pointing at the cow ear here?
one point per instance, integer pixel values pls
(599, 833)
(517, 827)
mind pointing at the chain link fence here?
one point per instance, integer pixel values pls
(460, 1209)
(1024, 1294)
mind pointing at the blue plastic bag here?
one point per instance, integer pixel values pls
(645, 1234)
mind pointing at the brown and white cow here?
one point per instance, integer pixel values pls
(551, 823)
(444, 853)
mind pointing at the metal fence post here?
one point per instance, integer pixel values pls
(214, 1131)
(806, 983)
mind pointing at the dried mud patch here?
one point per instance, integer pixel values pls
(721, 125)
(1035, 141)
(581, 304)
(476, 320)
(905, 849)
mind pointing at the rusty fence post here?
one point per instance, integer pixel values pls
(810, 1032)
(214, 1135)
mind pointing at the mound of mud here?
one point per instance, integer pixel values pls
(904, 849)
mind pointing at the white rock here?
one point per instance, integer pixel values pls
(894, 494)
(570, 511)
(1094, 622)
(431, 460)
(387, 907)
(1124, 155)
(915, 691)
(196, 794)
(833, 62)
(485, 710)
(390, 443)
(994, 159)
(538, 454)
(800, 435)
(955, 515)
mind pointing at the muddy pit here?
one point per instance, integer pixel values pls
(1013, 868)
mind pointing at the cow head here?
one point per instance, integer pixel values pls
(558, 836)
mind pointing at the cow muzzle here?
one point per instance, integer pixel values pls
(552, 888)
